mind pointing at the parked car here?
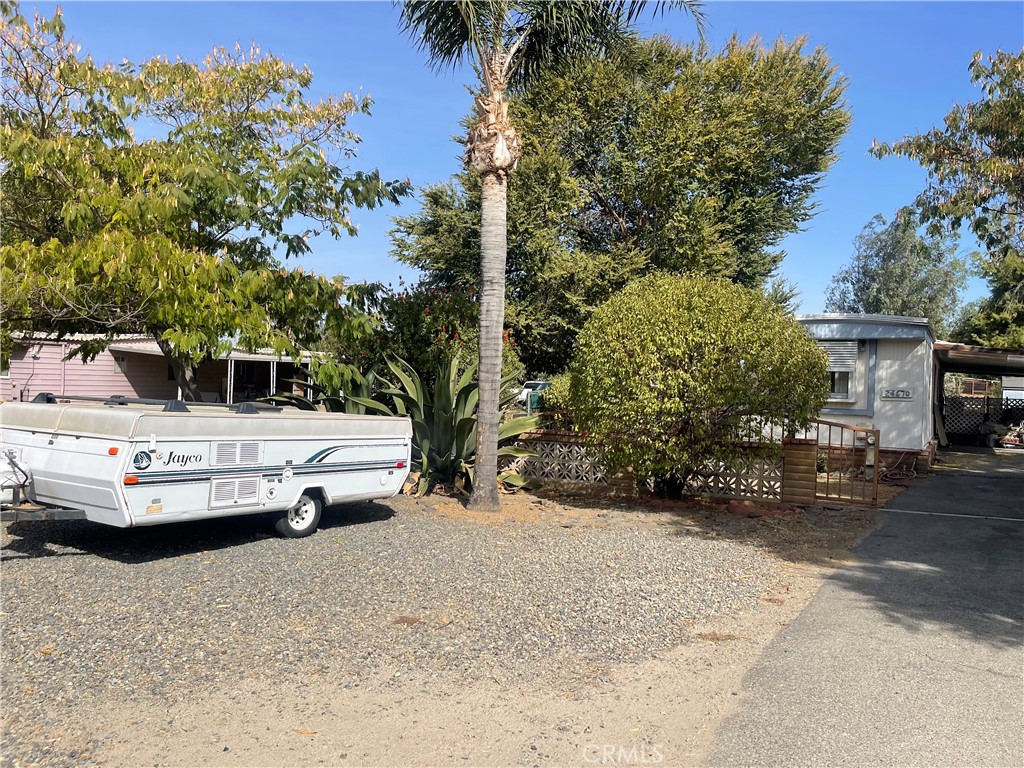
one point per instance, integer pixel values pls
(531, 388)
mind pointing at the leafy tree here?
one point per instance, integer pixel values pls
(179, 234)
(974, 166)
(671, 371)
(659, 156)
(896, 271)
(424, 327)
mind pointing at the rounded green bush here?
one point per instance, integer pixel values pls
(672, 371)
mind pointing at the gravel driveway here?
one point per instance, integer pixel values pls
(383, 590)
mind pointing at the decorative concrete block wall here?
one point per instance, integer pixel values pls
(570, 457)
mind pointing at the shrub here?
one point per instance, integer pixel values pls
(555, 403)
(442, 409)
(672, 371)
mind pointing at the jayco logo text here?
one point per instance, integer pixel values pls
(182, 459)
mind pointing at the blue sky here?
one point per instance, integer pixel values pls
(906, 64)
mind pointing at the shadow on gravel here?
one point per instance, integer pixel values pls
(821, 535)
(926, 573)
(160, 542)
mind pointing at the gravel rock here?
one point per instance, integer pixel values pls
(384, 591)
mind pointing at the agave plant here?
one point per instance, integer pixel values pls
(444, 423)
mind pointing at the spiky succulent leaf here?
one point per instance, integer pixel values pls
(372, 405)
(293, 400)
(515, 452)
(332, 404)
(516, 427)
(465, 437)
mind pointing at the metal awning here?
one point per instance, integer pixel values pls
(136, 347)
(966, 358)
(152, 348)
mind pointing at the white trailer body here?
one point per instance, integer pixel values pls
(129, 465)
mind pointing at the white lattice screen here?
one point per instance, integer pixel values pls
(965, 415)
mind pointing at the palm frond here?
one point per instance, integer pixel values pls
(545, 34)
(632, 9)
(533, 34)
(446, 31)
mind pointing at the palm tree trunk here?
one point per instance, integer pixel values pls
(493, 249)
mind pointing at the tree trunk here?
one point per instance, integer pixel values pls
(493, 249)
(184, 373)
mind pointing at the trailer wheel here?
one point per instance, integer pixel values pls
(299, 520)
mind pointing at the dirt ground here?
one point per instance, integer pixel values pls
(663, 711)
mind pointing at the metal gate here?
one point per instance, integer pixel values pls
(847, 462)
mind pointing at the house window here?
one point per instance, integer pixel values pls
(839, 385)
(842, 363)
(976, 387)
(121, 364)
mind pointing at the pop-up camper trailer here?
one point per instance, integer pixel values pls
(128, 462)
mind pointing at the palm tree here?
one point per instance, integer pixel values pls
(508, 43)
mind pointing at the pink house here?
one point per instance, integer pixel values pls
(135, 367)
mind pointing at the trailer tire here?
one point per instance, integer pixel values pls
(299, 520)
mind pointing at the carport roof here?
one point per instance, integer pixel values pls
(147, 346)
(965, 358)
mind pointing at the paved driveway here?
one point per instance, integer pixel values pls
(915, 655)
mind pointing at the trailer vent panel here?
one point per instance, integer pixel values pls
(233, 454)
(248, 489)
(226, 493)
(223, 492)
(248, 453)
(225, 453)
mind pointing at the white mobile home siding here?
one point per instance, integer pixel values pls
(895, 354)
(903, 364)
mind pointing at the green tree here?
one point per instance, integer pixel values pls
(974, 164)
(897, 271)
(509, 44)
(659, 156)
(424, 327)
(672, 371)
(161, 198)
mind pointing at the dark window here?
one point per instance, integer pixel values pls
(839, 385)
